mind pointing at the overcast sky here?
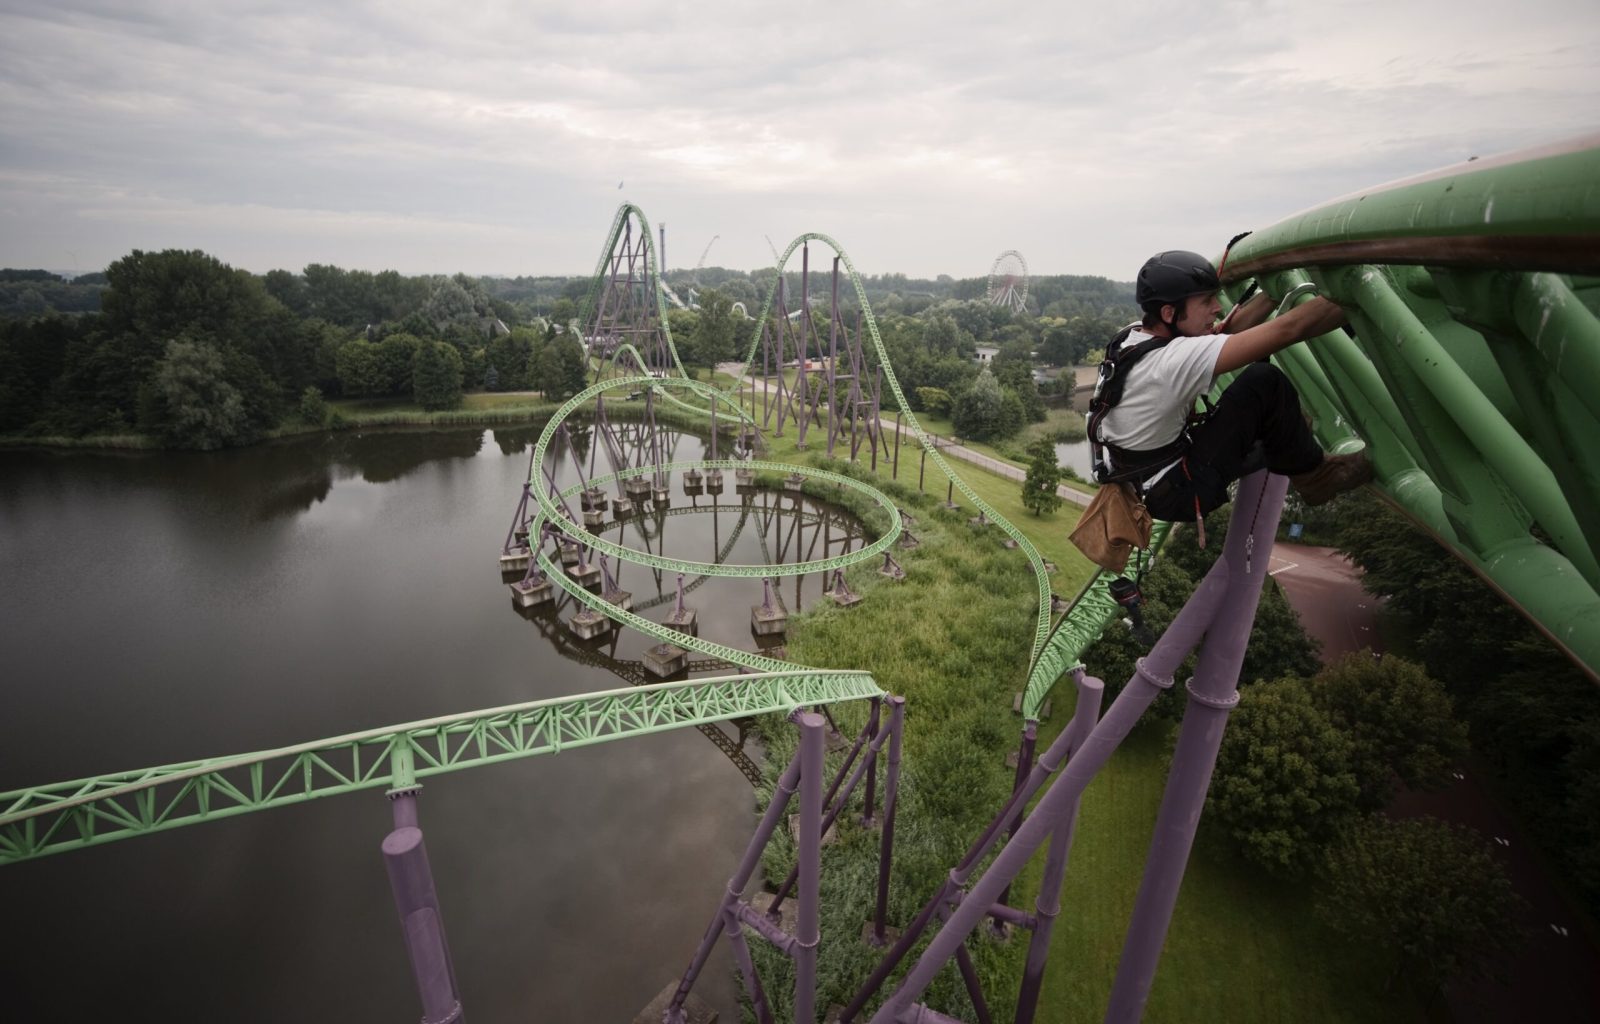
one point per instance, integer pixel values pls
(492, 137)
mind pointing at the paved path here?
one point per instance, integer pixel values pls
(950, 449)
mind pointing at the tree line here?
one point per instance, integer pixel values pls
(192, 353)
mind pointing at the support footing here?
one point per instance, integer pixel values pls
(695, 1009)
(531, 593)
(768, 620)
(665, 660)
(588, 624)
(683, 623)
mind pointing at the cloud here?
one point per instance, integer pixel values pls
(926, 137)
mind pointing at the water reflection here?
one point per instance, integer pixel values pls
(161, 606)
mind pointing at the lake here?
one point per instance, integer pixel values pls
(165, 607)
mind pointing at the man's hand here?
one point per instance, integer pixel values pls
(1307, 320)
(1247, 314)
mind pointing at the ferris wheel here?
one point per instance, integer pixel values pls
(1008, 281)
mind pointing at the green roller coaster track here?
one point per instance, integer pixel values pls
(1472, 377)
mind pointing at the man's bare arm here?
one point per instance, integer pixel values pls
(1308, 320)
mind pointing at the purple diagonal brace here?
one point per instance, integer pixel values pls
(1213, 692)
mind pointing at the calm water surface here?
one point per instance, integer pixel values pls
(157, 608)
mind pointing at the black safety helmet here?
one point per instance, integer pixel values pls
(1171, 277)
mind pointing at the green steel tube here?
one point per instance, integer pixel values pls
(1495, 441)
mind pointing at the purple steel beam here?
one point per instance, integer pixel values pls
(1225, 600)
(957, 877)
(808, 928)
(833, 360)
(1047, 906)
(869, 800)
(835, 808)
(806, 328)
(781, 795)
(1030, 736)
(517, 519)
(411, 881)
(891, 792)
(1213, 692)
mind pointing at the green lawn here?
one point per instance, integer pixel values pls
(1242, 947)
(953, 638)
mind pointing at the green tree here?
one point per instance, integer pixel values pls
(936, 401)
(1283, 786)
(436, 376)
(195, 406)
(313, 407)
(449, 303)
(358, 369)
(396, 355)
(1044, 475)
(512, 356)
(1427, 893)
(980, 411)
(563, 311)
(716, 328)
(561, 368)
(941, 336)
(1400, 721)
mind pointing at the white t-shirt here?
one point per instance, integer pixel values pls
(1161, 390)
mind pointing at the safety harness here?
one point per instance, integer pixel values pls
(1111, 463)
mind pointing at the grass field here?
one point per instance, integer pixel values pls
(952, 638)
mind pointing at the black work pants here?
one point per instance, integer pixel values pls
(1256, 423)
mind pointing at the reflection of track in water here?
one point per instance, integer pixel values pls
(766, 511)
(548, 622)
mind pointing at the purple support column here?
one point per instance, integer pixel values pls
(891, 795)
(869, 801)
(895, 475)
(808, 929)
(1213, 692)
(781, 796)
(411, 881)
(1048, 904)
(1211, 599)
(1030, 736)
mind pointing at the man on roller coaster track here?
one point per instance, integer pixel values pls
(1142, 421)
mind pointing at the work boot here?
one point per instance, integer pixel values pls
(1335, 475)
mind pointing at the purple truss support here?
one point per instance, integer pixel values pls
(1030, 736)
(1221, 611)
(895, 474)
(801, 357)
(953, 886)
(891, 801)
(518, 519)
(679, 609)
(766, 594)
(803, 775)
(534, 573)
(869, 801)
(416, 899)
(1047, 906)
(873, 744)
(833, 361)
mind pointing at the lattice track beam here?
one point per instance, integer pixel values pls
(1084, 621)
(88, 812)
